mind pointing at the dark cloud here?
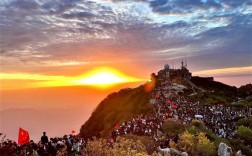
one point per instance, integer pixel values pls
(58, 6)
(235, 3)
(240, 25)
(213, 4)
(158, 3)
(24, 4)
(189, 6)
(179, 6)
(78, 15)
(227, 46)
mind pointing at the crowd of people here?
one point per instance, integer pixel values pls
(168, 104)
(219, 118)
(147, 125)
(60, 146)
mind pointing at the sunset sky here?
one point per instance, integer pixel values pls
(44, 40)
(54, 51)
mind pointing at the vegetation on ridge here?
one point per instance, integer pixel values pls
(115, 109)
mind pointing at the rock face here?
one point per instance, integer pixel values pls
(224, 150)
(164, 151)
(171, 152)
(184, 154)
(174, 152)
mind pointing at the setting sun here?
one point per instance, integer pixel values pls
(105, 76)
(102, 78)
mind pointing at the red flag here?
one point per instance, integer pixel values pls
(73, 131)
(174, 106)
(23, 137)
(116, 126)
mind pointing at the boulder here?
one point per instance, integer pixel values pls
(175, 152)
(224, 150)
(169, 151)
(164, 151)
(184, 154)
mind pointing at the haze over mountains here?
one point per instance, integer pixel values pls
(55, 122)
(55, 110)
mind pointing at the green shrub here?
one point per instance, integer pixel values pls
(197, 123)
(121, 147)
(193, 130)
(238, 146)
(187, 142)
(244, 133)
(204, 145)
(245, 122)
(149, 144)
(171, 127)
(197, 144)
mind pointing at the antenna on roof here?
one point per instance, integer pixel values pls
(185, 60)
(182, 64)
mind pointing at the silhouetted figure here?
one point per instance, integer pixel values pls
(44, 138)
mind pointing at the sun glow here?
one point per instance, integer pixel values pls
(101, 77)
(104, 77)
(225, 71)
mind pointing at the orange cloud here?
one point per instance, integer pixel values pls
(226, 71)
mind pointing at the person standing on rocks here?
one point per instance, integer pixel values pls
(44, 138)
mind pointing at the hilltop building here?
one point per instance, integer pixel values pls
(169, 74)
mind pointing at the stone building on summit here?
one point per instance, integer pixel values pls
(183, 74)
(169, 74)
